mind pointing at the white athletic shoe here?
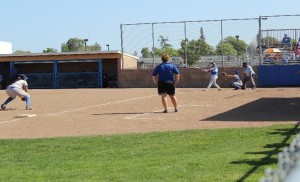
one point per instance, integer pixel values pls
(3, 106)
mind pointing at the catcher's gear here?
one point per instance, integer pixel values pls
(224, 73)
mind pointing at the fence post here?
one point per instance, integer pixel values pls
(122, 48)
(259, 39)
(185, 45)
(222, 43)
(153, 45)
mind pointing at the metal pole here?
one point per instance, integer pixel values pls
(222, 43)
(259, 39)
(122, 47)
(153, 45)
(237, 48)
(185, 45)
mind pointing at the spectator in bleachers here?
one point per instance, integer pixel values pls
(277, 57)
(286, 41)
(298, 43)
(297, 53)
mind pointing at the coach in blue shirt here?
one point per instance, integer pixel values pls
(166, 76)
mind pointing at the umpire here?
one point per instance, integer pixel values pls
(167, 79)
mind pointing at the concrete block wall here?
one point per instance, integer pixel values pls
(189, 78)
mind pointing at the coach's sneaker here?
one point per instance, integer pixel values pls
(165, 111)
(28, 108)
(3, 106)
(176, 110)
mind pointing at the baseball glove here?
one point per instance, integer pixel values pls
(224, 73)
(23, 99)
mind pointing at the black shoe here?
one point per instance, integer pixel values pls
(3, 107)
(165, 111)
(176, 110)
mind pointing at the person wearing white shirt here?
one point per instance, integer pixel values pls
(18, 88)
(248, 76)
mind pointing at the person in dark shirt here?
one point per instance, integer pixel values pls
(286, 41)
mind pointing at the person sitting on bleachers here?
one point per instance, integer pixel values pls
(297, 54)
(286, 41)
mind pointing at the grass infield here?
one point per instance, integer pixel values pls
(197, 155)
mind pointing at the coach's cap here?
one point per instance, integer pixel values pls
(212, 63)
(22, 76)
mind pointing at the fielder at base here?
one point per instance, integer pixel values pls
(18, 88)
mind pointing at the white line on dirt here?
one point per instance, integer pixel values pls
(10, 121)
(100, 105)
(180, 106)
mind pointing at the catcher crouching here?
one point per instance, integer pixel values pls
(237, 82)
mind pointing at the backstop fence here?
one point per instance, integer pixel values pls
(228, 42)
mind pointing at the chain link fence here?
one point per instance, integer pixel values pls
(228, 42)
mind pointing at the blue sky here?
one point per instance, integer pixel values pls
(34, 25)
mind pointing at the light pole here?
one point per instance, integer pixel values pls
(107, 46)
(237, 46)
(85, 40)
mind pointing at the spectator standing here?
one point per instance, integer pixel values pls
(286, 41)
(166, 76)
(249, 75)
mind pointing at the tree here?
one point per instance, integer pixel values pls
(239, 45)
(21, 52)
(270, 41)
(165, 47)
(205, 48)
(193, 53)
(163, 42)
(78, 45)
(228, 49)
(145, 52)
(95, 47)
(48, 50)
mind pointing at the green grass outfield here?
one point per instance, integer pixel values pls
(196, 155)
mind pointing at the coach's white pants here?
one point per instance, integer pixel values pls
(213, 81)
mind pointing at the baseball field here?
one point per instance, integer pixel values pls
(119, 114)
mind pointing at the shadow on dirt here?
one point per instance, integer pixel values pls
(264, 109)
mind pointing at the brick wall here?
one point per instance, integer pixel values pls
(189, 78)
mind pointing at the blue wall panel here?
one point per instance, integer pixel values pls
(279, 75)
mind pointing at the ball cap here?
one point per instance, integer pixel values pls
(22, 76)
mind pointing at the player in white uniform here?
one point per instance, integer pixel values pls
(248, 76)
(18, 88)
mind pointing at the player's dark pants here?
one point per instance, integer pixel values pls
(236, 85)
(247, 79)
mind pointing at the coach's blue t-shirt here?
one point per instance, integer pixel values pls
(166, 72)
